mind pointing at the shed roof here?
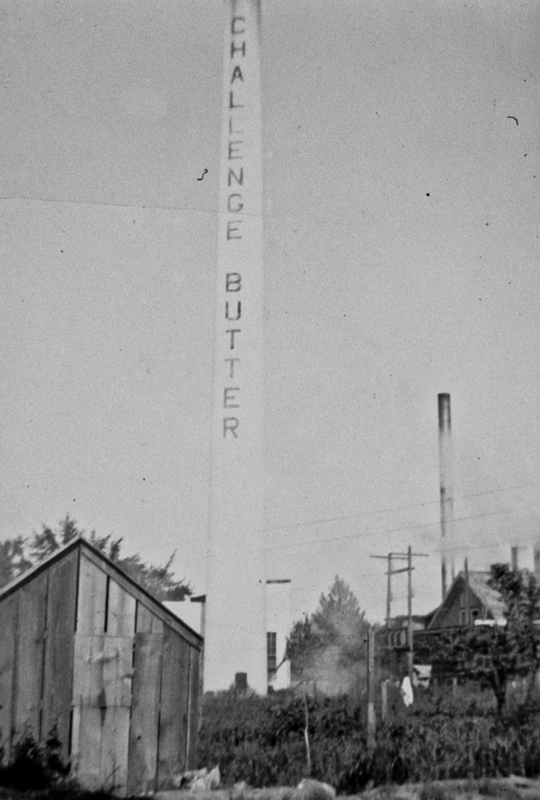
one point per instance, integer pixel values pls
(80, 543)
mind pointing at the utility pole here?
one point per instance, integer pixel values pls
(409, 614)
(408, 569)
(388, 558)
(371, 688)
(467, 594)
(389, 591)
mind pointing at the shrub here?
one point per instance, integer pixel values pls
(261, 741)
(34, 765)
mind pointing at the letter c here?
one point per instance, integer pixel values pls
(234, 29)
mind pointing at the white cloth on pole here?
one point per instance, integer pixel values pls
(407, 691)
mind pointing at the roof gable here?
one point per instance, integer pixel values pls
(111, 568)
(488, 597)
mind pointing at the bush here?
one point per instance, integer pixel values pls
(34, 765)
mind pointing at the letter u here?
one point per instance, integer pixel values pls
(238, 310)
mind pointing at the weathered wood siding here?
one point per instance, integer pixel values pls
(84, 649)
(58, 663)
(103, 666)
(143, 743)
(174, 708)
(195, 692)
(29, 660)
(8, 648)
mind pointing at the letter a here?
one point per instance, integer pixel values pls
(237, 74)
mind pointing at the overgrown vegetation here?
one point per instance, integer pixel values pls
(261, 741)
(495, 655)
(34, 765)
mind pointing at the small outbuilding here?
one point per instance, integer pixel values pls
(85, 649)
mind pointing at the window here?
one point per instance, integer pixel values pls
(271, 652)
(463, 617)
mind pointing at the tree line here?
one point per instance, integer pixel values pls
(21, 553)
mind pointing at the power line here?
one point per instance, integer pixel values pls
(361, 514)
(386, 530)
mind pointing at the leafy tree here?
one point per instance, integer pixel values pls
(18, 555)
(497, 654)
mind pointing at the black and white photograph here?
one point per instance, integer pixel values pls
(269, 398)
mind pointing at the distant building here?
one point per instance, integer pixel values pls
(85, 648)
(471, 602)
(278, 627)
(392, 644)
(475, 602)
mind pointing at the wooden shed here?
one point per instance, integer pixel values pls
(85, 648)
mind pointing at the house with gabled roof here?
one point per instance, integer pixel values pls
(471, 601)
(86, 649)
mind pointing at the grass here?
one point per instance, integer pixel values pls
(261, 741)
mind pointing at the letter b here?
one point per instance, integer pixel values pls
(233, 282)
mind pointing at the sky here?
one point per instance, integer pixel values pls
(401, 260)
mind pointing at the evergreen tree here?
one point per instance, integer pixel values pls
(18, 555)
(13, 560)
(333, 635)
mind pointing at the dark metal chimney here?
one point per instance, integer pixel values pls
(537, 561)
(514, 556)
(446, 486)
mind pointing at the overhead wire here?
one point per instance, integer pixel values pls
(386, 531)
(394, 509)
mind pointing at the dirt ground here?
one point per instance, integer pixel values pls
(513, 788)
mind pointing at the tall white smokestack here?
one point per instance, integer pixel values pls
(235, 641)
(446, 487)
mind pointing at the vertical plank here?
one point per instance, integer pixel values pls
(114, 749)
(195, 691)
(147, 622)
(88, 673)
(87, 756)
(88, 670)
(30, 648)
(102, 671)
(75, 739)
(143, 739)
(117, 670)
(173, 721)
(92, 598)
(121, 611)
(58, 678)
(8, 626)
